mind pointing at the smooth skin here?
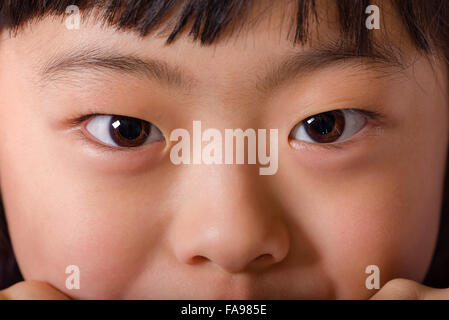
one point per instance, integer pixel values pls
(139, 227)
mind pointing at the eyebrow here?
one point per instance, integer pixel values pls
(383, 60)
(63, 67)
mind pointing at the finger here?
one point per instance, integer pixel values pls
(32, 290)
(403, 289)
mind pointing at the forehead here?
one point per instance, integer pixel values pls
(260, 42)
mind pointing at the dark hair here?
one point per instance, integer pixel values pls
(9, 270)
(427, 23)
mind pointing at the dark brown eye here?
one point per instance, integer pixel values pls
(122, 131)
(129, 132)
(328, 127)
(325, 127)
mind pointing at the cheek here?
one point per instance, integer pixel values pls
(396, 233)
(71, 218)
(377, 219)
(64, 211)
(380, 208)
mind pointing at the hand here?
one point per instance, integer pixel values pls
(32, 290)
(402, 289)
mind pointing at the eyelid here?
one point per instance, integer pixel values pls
(297, 144)
(375, 118)
(93, 142)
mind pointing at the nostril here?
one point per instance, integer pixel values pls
(266, 257)
(198, 259)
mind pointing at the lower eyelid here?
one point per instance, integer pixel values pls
(92, 143)
(121, 158)
(302, 145)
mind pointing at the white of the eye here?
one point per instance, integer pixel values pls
(155, 135)
(98, 127)
(354, 121)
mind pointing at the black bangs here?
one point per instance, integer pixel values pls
(208, 18)
(426, 21)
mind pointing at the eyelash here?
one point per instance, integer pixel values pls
(78, 120)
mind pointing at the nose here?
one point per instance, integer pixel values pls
(229, 221)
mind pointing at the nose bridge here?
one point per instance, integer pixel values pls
(227, 220)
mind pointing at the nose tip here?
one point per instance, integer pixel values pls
(238, 229)
(235, 254)
(237, 264)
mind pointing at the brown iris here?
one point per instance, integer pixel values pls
(129, 132)
(325, 127)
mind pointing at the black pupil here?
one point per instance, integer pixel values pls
(129, 128)
(322, 123)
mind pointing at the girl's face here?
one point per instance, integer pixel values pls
(139, 226)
